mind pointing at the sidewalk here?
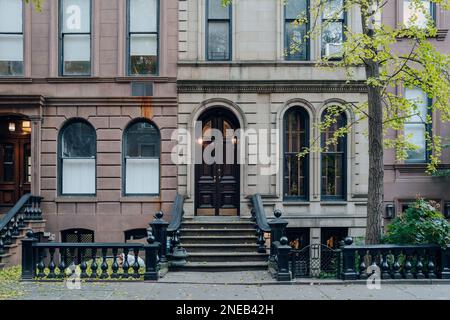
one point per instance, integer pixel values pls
(228, 286)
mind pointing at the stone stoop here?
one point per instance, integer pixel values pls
(221, 244)
(13, 252)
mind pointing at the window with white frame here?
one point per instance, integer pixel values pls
(296, 45)
(141, 163)
(218, 30)
(143, 37)
(416, 127)
(333, 27)
(418, 13)
(77, 158)
(11, 38)
(75, 37)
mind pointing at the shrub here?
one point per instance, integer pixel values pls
(421, 223)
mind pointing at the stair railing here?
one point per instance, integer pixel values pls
(27, 208)
(259, 217)
(173, 230)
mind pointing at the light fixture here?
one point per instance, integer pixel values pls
(200, 140)
(447, 210)
(390, 211)
(12, 126)
(26, 126)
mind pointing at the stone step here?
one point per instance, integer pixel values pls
(217, 225)
(238, 247)
(227, 257)
(249, 232)
(221, 266)
(217, 240)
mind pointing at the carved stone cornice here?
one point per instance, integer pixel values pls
(23, 101)
(270, 86)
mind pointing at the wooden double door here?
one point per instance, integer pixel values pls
(15, 168)
(217, 174)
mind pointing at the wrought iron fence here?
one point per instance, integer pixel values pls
(315, 261)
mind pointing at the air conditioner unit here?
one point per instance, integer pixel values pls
(333, 49)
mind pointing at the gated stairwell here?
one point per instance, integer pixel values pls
(26, 214)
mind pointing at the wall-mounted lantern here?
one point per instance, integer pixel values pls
(26, 126)
(390, 211)
(12, 127)
(447, 210)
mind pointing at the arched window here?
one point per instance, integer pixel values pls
(141, 158)
(333, 159)
(296, 139)
(77, 158)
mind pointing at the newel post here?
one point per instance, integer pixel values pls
(278, 230)
(159, 230)
(283, 250)
(445, 258)
(151, 257)
(348, 260)
(28, 256)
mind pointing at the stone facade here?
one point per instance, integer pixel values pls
(258, 85)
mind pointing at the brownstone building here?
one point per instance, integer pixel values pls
(406, 180)
(88, 104)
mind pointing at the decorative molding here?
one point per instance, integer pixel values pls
(276, 86)
(25, 101)
(41, 101)
(412, 167)
(53, 80)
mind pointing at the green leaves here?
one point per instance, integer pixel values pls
(422, 223)
(36, 3)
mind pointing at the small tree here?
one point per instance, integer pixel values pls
(421, 223)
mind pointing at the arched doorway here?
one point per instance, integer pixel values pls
(15, 158)
(217, 171)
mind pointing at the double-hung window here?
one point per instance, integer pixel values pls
(296, 45)
(11, 38)
(416, 127)
(75, 37)
(333, 27)
(218, 31)
(418, 15)
(142, 142)
(143, 37)
(77, 158)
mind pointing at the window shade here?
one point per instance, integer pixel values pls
(78, 176)
(11, 16)
(77, 48)
(11, 47)
(142, 176)
(143, 15)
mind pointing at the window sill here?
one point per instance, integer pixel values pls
(440, 36)
(17, 79)
(298, 203)
(144, 199)
(78, 199)
(333, 203)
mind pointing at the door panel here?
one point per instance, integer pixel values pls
(15, 169)
(217, 184)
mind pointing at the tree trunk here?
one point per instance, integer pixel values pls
(376, 165)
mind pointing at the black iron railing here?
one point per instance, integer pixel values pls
(173, 230)
(395, 261)
(27, 208)
(259, 217)
(50, 261)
